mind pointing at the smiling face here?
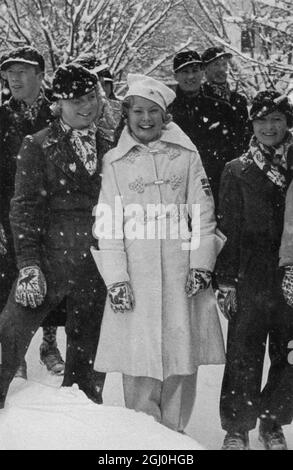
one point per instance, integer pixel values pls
(145, 119)
(189, 78)
(270, 130)
(217, 70)
(80, 112)
(24, 81)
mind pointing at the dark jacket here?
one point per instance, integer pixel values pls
(217, 128)
(251, 214)
(13, 129)
(51, 211)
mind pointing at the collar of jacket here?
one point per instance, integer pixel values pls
(185, 97)
(15, 105)
(55, 134)
(59, 150)
(172, 134)
(207, 92)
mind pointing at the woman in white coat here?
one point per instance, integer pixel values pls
(158, 245)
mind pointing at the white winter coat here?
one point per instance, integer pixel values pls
(167, 333)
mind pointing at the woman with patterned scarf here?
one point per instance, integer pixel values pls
(252, 201)
(57, 185)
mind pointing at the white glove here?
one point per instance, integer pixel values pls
(31, 287)
(121, 297)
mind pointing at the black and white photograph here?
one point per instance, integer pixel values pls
(146, 228)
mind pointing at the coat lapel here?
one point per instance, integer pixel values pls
(60, 152)
(256, 179)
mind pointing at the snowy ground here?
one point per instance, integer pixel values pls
(40, 415)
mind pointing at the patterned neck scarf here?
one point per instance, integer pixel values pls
(30, 112)
(221, 90)
(271, 160)
(84, 144)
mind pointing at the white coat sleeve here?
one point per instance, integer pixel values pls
(111, 258)
(207, 241)
(286, 249)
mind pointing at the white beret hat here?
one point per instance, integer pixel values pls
(149, 88)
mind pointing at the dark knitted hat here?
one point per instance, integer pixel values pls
(182, 59)
(266, 102)
(90, 62)
(214, 53)
(72, 81)
(26, 55)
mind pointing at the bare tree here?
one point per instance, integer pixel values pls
(263, 54)
(118, 32)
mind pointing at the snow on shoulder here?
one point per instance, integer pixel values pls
(42, 417)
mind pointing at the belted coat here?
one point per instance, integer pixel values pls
(166, 333)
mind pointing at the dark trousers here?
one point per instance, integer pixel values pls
(84, 291)
(242, 399)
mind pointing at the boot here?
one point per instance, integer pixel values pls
(51, 357)
(271, 435)
(236, 441)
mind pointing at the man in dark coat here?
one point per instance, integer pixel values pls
(224, 135)
(251, 213)
(213, 116)
(26, 112)
(185, 109)
(57, 186)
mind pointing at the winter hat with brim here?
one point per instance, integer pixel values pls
(267, 102)
(214, 53)
(72, 81)
(184, 58)
(149, 88)
(24, 55)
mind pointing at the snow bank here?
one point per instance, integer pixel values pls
(42, 417)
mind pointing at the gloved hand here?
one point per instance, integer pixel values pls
(3, 241)
(287, 285)
(227, 300)
(31, 287)
(121, 296)
(198, 279)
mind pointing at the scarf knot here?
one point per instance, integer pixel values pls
(271, 160)
(84, 145)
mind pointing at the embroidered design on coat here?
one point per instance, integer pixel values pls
(139, 184)
(173, 153)
(175, 181)
(131, 156)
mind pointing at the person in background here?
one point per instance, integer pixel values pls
(160, 321)
(224, 134)
(106, 79)
(251, 215)
(26, 112)
(57, 184)
(185, 109)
